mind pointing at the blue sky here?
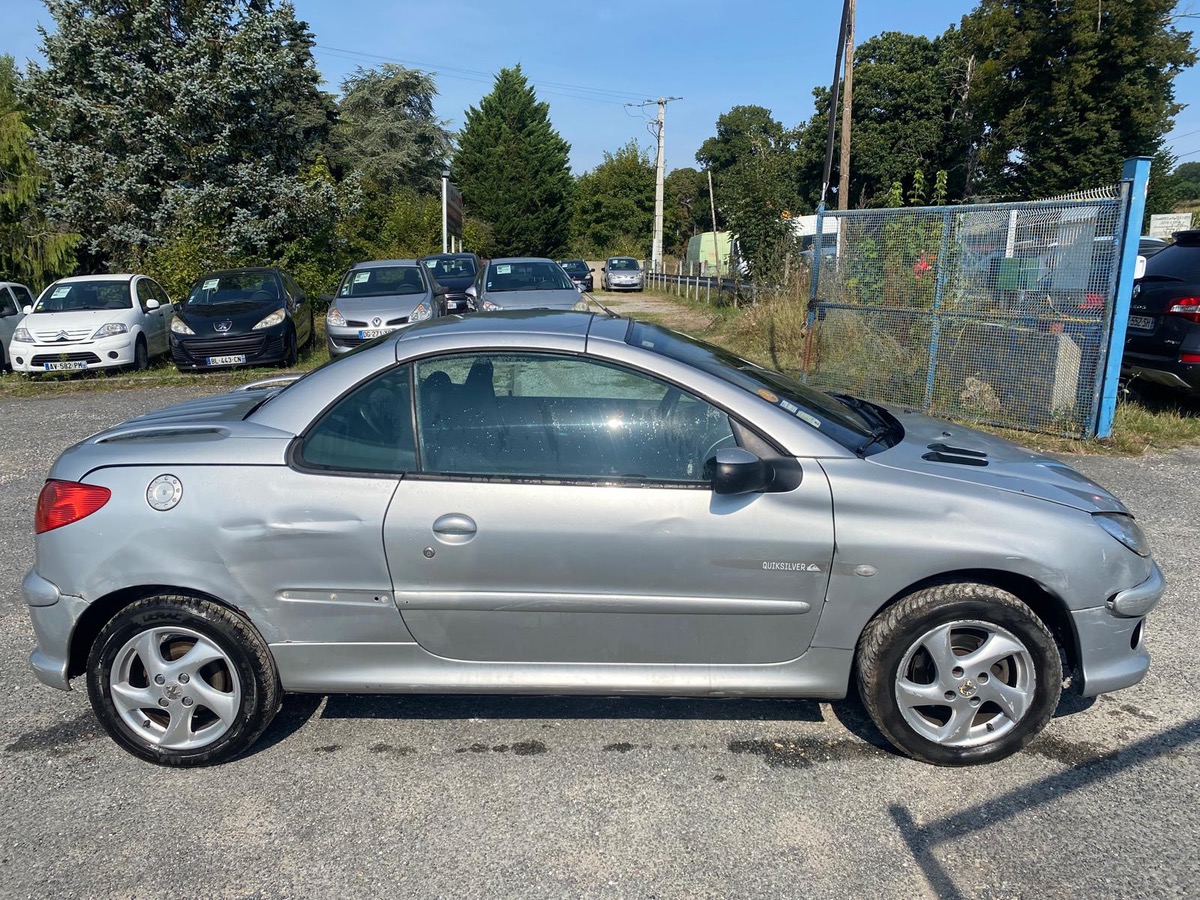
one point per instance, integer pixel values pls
(588, 59)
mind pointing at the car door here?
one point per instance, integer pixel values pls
(561, 514)
(300, 310)
(151, 319)
(166, 312)
(10, 314)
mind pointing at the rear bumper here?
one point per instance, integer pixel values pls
(54, 616)
(1162, 370)
(1112, 648)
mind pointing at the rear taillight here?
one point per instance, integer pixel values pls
(63, 502)
(1192, 358)
(1186, 307)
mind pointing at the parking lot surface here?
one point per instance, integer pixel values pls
(597, 797)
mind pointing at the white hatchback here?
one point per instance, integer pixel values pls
(93, 322)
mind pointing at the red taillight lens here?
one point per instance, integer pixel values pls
(1187, 307)
(1189, 358)
(63, 502)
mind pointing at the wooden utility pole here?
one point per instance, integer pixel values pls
(847, 102)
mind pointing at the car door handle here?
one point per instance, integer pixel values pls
(454, 528)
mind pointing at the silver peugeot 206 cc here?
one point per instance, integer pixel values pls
(568, 503)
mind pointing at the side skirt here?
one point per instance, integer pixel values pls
(822, 672)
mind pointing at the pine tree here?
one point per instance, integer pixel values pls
(175, 114)
(31, 251)
(387, 130)
(513, 169)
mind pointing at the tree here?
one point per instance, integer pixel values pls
(513, 168)
(753, 159)
(387, 130)
(179, 113)
(1064, 91)
(614, 205)
(1187, 181)
(31, 251)
(686, 208)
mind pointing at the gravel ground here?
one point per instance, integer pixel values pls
(498, 797)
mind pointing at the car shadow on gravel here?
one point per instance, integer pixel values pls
(1087, 764)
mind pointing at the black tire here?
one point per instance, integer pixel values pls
(256, 683)
(141, 355)
(896, 633)
(291, 353)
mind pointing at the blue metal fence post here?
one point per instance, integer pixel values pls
(1135, 177)
(935, 330)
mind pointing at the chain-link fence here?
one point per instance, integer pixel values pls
(998, 313)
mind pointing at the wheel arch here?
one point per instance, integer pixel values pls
(102, 610)
(1045, 605)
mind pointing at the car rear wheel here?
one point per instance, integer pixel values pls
(181, 681)
(959, 674)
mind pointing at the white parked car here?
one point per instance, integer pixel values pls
(93, 322)
(13, 298)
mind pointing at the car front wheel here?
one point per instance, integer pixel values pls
(959, 674)
(181, 681)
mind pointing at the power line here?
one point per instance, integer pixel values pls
(564, 89)
(1181, 136)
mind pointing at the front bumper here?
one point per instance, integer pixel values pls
(54, 616)
(625, 285)
(260, 348)
(343, 339)
(103, 353)
(1111, 638)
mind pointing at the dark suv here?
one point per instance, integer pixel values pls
(1163, 341)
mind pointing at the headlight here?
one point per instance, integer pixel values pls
(420, 312)
(112, 328)
(581, 305)
(273, 319)
(335, 318)
(22, 335)
(180, 327)
(489, 306)
(1125, 530)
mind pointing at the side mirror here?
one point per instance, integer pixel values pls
(591, 271)
(472, 292)
(439, 289)
(326, 298)
(603, 268)
(734, 470)
(152, 304)
(27, 309)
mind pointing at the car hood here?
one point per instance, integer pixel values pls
(388, 306)
(933, 447)
(204, 318)
(560, 299)
(73, 320)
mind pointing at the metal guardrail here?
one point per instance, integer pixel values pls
(707, 288)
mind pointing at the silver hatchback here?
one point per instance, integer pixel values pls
(545, 502)
(376, 298)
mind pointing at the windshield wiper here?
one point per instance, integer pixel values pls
(875, 434)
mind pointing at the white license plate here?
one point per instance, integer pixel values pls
(368, 333)
(235, 360)
(59, 366)
(1143, 323)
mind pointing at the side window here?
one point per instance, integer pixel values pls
(546, 416)
(143, 292)
(24, 298)
(292, 288)
(368, 430)
(8, 305)
(156, 291)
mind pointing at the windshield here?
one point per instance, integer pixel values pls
(234, 287)
(537, 275)
(1176, 262)
(575, 267)
(82, 295)
(833, 417)
(622, 264)
(382, 281)
(453, 267)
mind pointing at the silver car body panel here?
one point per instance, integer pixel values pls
(569, 587)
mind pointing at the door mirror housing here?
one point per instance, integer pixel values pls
(152, 304)
(26, 309)
(734, 470)
(472, 292)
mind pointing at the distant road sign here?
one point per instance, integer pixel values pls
(1164, 225)
(454, 211)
